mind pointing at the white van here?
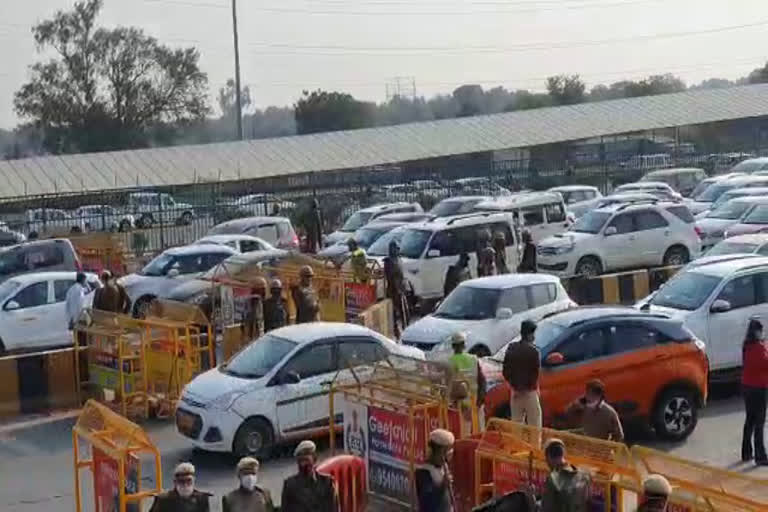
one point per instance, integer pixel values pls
(542, 213)
(429, 248)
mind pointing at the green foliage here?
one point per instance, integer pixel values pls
(566, 89)
(321, 111)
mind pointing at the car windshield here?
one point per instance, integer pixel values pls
(158, 266)
(726, 247)
(413, 242)
(356, 221)
(686, 291)
(468, 303)
(257, 359)
(381, 246)
(748, 166)
(758, 215)
(731, 210)
(713, 192)
(8, 288)
(446, 208)
(366, 236)
(701, 187)
(591, 222)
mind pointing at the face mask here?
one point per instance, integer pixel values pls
(248, 481)
(306, 468)
(185, 490)
(592, 403)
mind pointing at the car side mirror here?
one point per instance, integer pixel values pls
(433, 253)
(720, 306)
(290, 378)
(174, 272)
(610, 230)
(503, 314)
(554, 359)
(11, 305)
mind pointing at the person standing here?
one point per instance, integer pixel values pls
(466, 367)
(308, 490)
(123, 300)
(434, 482)
(275, 307)
(522, 363)
(754, 381)
(486, 256)
(249, 496)
(275, 210)
(314, 227)
(595, 416)
(359, 261)
(656, 492)
(457, 274)
(75, 300)
(105, 297)
(394, 282)
(528, 261)
(305, 297)
(500, 253)
(567, 488)
(183, 497)
(253, 323)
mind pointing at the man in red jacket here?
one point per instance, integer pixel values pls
(754, 380)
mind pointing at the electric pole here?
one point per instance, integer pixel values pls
(238, 100)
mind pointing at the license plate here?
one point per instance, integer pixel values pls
(185, 421)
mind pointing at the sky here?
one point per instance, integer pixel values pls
(360, 46)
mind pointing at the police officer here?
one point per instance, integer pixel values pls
(305, 297)
(486, 256)
(249, 496)
(656, 492)
(434, 482)
(314, 227)
(253, 324)
(395, 286)
(308, 490)
(500, 248)
(359, 261)
(528, 261)
(457, 274)
(184, 497)
(466, 368)
(275, 307)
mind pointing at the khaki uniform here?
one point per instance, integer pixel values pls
(310, 494)
(500, 256)
(601, 422)
(170, 501)
(566, 490)
(395, 291)
(486, 261)
(253, 323)
(455, 275)
(111, 298)
(307, 304)
(240, 500)
(275, 313)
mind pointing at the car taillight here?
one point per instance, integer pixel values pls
(698, 231)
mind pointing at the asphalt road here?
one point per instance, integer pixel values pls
(36, 463)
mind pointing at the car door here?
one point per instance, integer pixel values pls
(511, 244)
(268, 233)
(534, 221)
(517, 301)
(652, 238)
(303, 405)
(619, 248)
(442, 252)
(746, 295)
(27, 318)
(58, 313)
(556, 220)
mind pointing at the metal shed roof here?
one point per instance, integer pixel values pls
(373, 146)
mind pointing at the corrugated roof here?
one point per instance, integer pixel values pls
(373, 146)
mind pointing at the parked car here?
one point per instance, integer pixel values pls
(648, 162)
(240, 243)
(653, 367)
(706, 199)
(705, 183)
(52, 220)
(158, 278)
(262, 204)
(365, 236)
(741, 244)
(8, 237)
(754, 220)
(489, 310)
(656, 188)
(404, 217)
(541, 213)
(622, 236)
(713, 227)
(628, 197)
(362, 217)
(479, 186)
(99, 217)
(716, 301)
(751, 165)
(719, 162)
(456, 205)
(150, 208)
(276, 231)
(682, 180)
(414, 190)
(579, 199)
(33, 311)
(55, 254)
(274, 389)
(733, 194)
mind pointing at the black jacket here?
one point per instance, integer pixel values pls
(528, 263)
(170, 501)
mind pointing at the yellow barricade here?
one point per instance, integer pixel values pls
(379, 318)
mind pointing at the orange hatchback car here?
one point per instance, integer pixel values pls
(653, 368)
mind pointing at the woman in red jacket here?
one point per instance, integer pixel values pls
(754, 380)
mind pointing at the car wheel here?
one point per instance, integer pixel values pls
(676, 256)
(141, 308)
(589, 266)
(676, 414)
(255, 437)
(186, 219)
(480, 351)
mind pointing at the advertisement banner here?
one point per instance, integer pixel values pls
(390, 480)
(389, 436)
(106, 482)
(227, 298)
(359, 297)
(356, 429)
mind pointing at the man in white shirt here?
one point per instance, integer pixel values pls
(76, 299)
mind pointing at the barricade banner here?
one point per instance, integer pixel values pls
(359, 297)
(331, 294)
(106, 481)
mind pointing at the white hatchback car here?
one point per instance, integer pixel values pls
(489, 310)
(240, 243)
(622, 236)
(33, 312)
(275, 389)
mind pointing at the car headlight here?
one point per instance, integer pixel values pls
(200, 298)
(225, 401)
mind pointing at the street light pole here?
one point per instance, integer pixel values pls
(238, 99)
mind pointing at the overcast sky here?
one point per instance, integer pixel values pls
(361, 45)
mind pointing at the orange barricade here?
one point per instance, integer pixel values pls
(349, 473)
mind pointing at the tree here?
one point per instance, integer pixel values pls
(759, 75)
(107, 88)
(471, 100)
(228, 101)
(655, 84)
(321, 111)
(566, 89)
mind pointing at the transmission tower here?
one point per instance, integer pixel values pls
(401, 87)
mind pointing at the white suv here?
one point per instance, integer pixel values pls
(151, 208)
(622, 236)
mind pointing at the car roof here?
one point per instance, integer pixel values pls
(750, 191)
(726, 268)
(509, 281)
(522, 200)
(460, 220)
(384, 207)
(313, 331)
(738, 180)
(749, 199)
(223, 239)
(31, 277)
(256, 256)
(674, 170)
(199, 249)
(245, 223)
(383, 225)
(633, 205)
(644, 184)
(571, 188)
(465, 198)
(32, 243)
(752, 238)
(586, 313)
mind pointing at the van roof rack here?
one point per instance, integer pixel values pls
(627, 204)
(453, 219)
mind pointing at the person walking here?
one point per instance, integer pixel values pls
(183, 497)
(466, 369)
(359, 261)
(75, 300)
(314, 227)
(567, 488)
(656, 492)
(486, 256)
(305, 297)
(500, 253)
(111, 296)
(434, 482)
(275, 307)
(249, 496)
(308, 490)
(457, 274)
(394, 282)
(595, 416)
(522, 363)
(754, 381)
(528, 261)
